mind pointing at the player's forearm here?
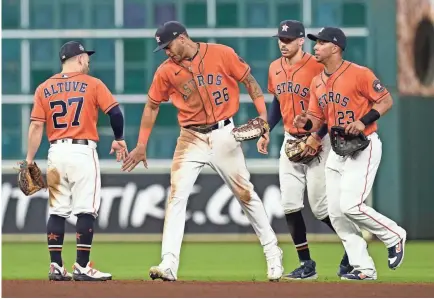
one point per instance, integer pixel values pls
(274, 113)
(378, 110)
(384, 105)
(36, 129)
(117, 122)
(256, 94)
(149, 117)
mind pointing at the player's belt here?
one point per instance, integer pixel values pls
(298, 136)
(207, 128)
(74, 141)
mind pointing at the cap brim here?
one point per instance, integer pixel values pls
(313, 37)
(317, 37)
(161, 47)
(90, 52)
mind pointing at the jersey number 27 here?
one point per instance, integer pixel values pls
(77, 101)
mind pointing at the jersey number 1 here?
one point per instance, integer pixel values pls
(64, 111)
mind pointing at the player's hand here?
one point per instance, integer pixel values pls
(120, 147)
(355, 128)
(263, 143)
(136, 155)
(300, 120)
(308, 151)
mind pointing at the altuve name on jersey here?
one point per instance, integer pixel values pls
(65, 87)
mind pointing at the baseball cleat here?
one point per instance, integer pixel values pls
(89, 273)
(344, 267)
(275, 267)
(396, 254)
(158, 272)
(358, 275)
(307, 270)
(58, 273)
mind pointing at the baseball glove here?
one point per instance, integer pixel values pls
(253, 129)
(345, 144)
(295, 147)
(30, 179)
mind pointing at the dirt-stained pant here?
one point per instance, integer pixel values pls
(224, 154)
(74, 179)
(349, 181)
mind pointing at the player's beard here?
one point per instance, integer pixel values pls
(288, 54)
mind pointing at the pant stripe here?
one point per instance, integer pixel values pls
(96, 179)
(361, 199)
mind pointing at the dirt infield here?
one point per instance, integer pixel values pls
(122, 289)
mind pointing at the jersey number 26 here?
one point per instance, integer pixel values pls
(77, 101)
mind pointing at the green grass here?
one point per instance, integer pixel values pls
(212, 261)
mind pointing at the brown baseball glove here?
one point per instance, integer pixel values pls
(253, 129)
(30, 179)
(297, 152)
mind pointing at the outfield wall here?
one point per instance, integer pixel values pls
(133, 207)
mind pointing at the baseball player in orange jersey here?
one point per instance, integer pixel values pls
(289, 80)
(68, 104)
(202, 79)
(351, 96)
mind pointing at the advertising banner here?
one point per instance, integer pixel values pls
(135, 204)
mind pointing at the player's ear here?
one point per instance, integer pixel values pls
(301, 41)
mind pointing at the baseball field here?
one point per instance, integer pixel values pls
(213, 270)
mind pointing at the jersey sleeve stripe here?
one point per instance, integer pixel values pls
(37, 118)
(245, 74)
(153, 101)
(376, 100)
(110, 107)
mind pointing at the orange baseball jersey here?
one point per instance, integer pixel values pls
(69, 104)
(205, 90)
(346, 96)
(290, 84)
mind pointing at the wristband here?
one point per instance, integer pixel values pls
(370, 117)
(308, 126)
(322, 131)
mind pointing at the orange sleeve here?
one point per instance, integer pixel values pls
(314, 106)
(270, 81)
(38, 112)
(159, 90)
(237, 67)
(370, 86)
(104, 97)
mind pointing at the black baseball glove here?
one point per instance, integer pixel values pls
(345, 144)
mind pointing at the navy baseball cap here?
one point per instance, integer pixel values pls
(167, 32)
(71, 49)
(290, 29)
(330, 34)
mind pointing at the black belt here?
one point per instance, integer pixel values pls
(74, 141)
(298, 136)
(207, 128)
